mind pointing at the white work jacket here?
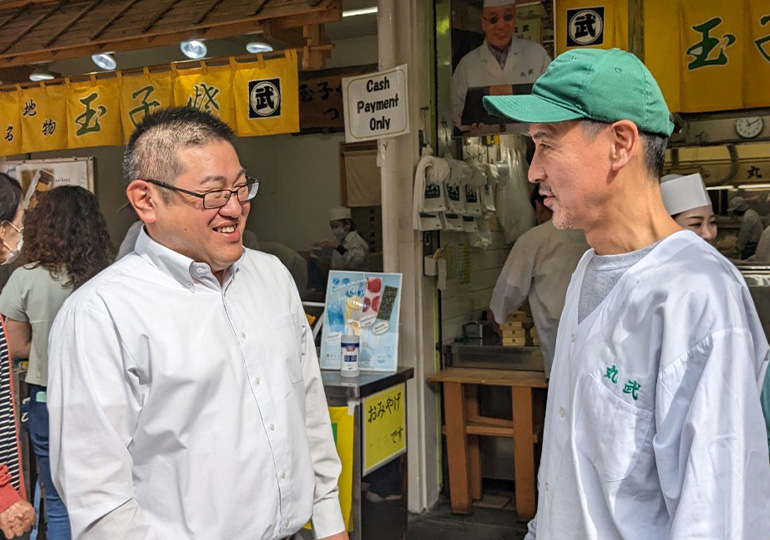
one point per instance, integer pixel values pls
(539, 267)
(526, 61)
(355, 256)
(653, 423)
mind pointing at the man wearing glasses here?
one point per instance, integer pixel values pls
(500, 60)
(184, 391)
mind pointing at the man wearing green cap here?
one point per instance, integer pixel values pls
(653, 425)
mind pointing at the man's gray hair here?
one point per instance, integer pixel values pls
(654, 145)
(153, 150)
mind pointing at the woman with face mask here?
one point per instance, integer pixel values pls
(687, 201)
(349, 250)
(16, 514)
(66, 244)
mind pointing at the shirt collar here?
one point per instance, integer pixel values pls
(180, 267)
(500, 56)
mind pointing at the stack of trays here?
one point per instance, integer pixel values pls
(514, 334)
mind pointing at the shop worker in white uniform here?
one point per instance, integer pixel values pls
(653, 424)
(688, 203)
(539, 267)
(751, 227)
(184, 391)
(501, 60)
(350, 251)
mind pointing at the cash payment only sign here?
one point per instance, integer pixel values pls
(376, 105)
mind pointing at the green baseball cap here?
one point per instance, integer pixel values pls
(597, 84)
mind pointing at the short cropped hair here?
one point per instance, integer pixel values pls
(10, 197)
(152, 151)
(654, 145)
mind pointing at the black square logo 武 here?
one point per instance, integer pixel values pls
(585, 27)
(265, 98)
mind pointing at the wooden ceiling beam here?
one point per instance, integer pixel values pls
(8, 18)
(15, 39)
(200, 18)
(159, 15)
(260, 6)
(82, 13)
(112, 20)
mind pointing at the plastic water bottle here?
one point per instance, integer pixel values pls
(350, 344)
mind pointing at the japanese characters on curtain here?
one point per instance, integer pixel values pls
(255, 98)
(259, 96)
(43, 118)
(93, 113)
(719, 57)
(10, 123)
(141, 94)
(591, 24)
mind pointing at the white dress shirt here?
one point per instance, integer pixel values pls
(653, 424)
(182, 409)
(539, 267)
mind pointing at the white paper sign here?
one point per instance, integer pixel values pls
(376, 105)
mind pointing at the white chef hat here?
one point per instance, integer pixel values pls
(335, 214)
(681, 193)
(498, 3)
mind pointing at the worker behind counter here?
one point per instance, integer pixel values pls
(538, 268)
(653, 426)
(501, 60)
(751, 227)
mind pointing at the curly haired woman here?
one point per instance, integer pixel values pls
(65, 244)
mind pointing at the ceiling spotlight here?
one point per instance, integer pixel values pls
(357, 12)
(104, 61)
(41, 73)
(193, 48)
(256, 47)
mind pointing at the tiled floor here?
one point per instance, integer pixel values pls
(484, 524)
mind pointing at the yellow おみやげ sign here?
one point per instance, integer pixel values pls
(384, 419)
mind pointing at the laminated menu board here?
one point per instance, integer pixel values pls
(366, 304)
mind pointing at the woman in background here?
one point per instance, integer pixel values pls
(687, 201)
(66, 243)
(16, 514)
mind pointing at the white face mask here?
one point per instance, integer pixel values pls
(339, 233)
(13, 254)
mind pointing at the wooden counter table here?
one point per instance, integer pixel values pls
(463, 426)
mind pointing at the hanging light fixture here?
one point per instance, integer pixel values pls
(41, 73)
(193, 48)
(104, 61)
(255, 47)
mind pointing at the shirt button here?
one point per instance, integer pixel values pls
(562, 412)
(572, 338)
(200, 270)
(283, 476)
(256, 381)
(243, 335)
(286, 523)
(272, 427)
(547, 486)
(189, 283)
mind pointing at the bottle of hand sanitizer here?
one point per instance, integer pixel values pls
(350, 344)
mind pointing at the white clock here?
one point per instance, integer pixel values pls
(749, 127)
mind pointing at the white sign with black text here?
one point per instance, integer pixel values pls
(376, 105)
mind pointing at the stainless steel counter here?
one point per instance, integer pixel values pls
(493, 356)
(339, 389)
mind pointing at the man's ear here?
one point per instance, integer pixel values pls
(144, 201)
(624, 140)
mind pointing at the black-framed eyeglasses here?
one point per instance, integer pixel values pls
(494, 19)
(217, 198)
